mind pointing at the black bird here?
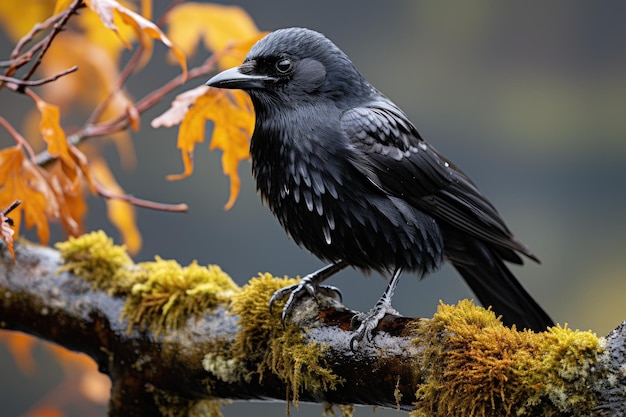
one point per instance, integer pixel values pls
(349, 178)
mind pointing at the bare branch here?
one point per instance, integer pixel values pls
(138, 202)
(19, 85)
(56, 29)
(21, 141)
(123, 121)
(410, 364)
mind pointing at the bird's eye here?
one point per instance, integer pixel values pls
(283, 66)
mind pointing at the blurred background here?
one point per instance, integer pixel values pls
(528, 98)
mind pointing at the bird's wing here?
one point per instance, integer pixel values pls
(391, 154)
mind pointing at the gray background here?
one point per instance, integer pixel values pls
(528, 98)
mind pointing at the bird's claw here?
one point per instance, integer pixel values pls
(306, 286)
(368, 323)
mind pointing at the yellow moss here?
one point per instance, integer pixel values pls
(169, 293)
(264, 341)
(477, 366)
(94, 257)
(161, 295)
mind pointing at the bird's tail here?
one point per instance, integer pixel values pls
(495, 285)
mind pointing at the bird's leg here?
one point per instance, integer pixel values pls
(369, 321)
(308, 285)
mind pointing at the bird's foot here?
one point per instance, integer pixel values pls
(369, 322)
(309, 285)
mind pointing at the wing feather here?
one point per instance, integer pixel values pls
(393, 156)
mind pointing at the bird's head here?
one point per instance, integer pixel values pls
(294, 64)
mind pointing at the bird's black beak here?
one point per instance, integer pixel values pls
(240, 78)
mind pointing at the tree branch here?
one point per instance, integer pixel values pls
(461, 362)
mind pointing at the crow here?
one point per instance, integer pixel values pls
(349, 178)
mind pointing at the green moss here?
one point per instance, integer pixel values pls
(476, 366)
(160, 295)
(264, 342)
(94, 257)
(167, 293)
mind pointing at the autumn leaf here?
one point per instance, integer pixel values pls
(219, 27)
(25, 181)
(96, 33)
(98, 70)
(233, 122)
(20, 346)
(120, 213)
(18, 17)
(108, 9)
(6, 227)
(50, 128)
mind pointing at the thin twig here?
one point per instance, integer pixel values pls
(56, 29)
(126, 72)
(117, 87)
(21, 141)
(21, 84)
(122, 122)
(38, 27)
(12, 207)
(138, 202)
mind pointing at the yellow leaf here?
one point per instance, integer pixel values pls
(20, 179)
(50, 128)
(98, 34)
(120, 213)
(66, 181)
(18, 17)
(233, 122)
(97, 69)
(218, 26)
(143, 27)
(61, 5)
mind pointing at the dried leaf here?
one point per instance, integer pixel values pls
(18, 17)
(47, 411)
(20, 345)
(98, 70)
(218, 26)
(233, 123)
(105, 9)
(120, 213)
(50, 128)
(25, 181)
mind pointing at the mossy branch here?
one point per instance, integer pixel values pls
(195, 339)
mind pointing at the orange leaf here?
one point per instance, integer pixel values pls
(50, 128)
(233, 123)
(121, 213)
(98, 70)
(20, 179)
(105, 10)
(46, 411)
(218, 26)
(80, 367)
(18, 17)
(6, 227)
(21, 346)
(66, 181)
